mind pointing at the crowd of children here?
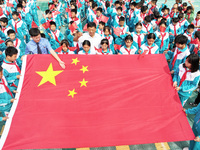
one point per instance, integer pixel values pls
(111, 27)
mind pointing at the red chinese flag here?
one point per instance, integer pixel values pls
(46, 25)
(117, 47)
(9, 5)
(72, 48)
(34, 25)
(52, 7)
(104, 18)
(55, 13)
(96, 101)
(117, 31)
(73, 27)
(85, 27)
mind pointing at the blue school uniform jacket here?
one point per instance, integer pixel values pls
(120, 39)
(55, 39)
(162, 37)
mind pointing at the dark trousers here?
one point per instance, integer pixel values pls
(197, 100)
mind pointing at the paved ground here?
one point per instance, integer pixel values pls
(157, 146)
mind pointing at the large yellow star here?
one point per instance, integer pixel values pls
(48, 75)
(84, 69)
(83, 83)
(75, 61)
(72, 93)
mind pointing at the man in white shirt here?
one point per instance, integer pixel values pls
(92, 36)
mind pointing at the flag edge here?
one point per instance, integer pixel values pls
(14, 106)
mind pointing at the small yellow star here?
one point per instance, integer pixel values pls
(75, 61)
(48, 75)
(84, 69)
(72, 93)
(83, 83)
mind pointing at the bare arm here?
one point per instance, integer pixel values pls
(53, 53)
(191, 4)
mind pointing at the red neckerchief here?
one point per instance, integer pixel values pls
(166, 16)
(74, 19)
(14, 63)
(188, 15)
(56, 38)
(129, 51)
(152, 7)
(16, 26)
(146, 26)
(122, 30)
(3, 29)
(16, 42)
(149, 49)
(184, 76)
(142, 15)
(196, 21)
(181, 22)
(131, 11)
(6, 87)
(175, 57)
(174, 30)
(162, 36)
(139, 40)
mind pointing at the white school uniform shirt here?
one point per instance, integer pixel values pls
(125, 51)
(82, 52)
(146, 30)
(68, 52)
(17, 44)
(109, 38)
(189, 36)
(5, 30)
(108, 52)
(181, 55)
(196, 23)
(154, 50)
(158, 33)
(94, 41)
(57, 34)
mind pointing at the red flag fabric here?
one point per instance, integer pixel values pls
(98, 49)
(52, 7)
(117, 31)
(85, 27)
(54, 13)
(9, 5)
(73, 27)
(46, 25)
(72, 48)
(34, 25)
(104, 18)
(93, 105)
(117, 47)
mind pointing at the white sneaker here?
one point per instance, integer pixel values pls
(186, 148)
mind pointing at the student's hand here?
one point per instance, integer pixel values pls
(1, 53)
(175, 84)
(4, 118)
(59, 27)
(177, 88)
(50, 35)
(65, 16)
(24, 36)
(165, 52)
(184, 109)
(62, 64)
(18, 76)
(197, 139)
(189, 1)
(172, 72)
(165, 2)
(159, 36)
(139, 51)
(12, 100)
(14, 91)
(128, 33)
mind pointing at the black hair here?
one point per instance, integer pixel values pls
(121, 19)
(50, 4)
(10, 31)
(175, 20)
(94, 5)
(1, 69)
(52, 23)
(4, 20)
(148, 18)
(107, 4)
(138, 24)
(34, 32)
(180, 9)
(181, 15)
(15, 13)
(91, 24)
(74, 10)
(19, 5)
(156, 14)
(189, 8)
(104, 41)
(162, 22)
(193, 59)
(191, 26)
(119, 8)
(128, 37)
(64, 42)
(151, 36)
(102, 23)
(106, 28)
(86, 42)
(144, 8)
(140, 4)
(43, 35)
(133, 4)
(118, 2)
(99, 9)
(181, 39)
(167, 9)
(197, 34)
(184, 4)
(10, 51)
(198, 12)
(47, 11)
(8, 40)
(154, 1)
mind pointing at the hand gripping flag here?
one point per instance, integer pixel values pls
(96, 101)
(46, 25)
(104, 18)
(117, 31)
(34, 25)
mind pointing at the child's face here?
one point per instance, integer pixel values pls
(187, 64)
(175, 6)
(162, 28)
(15, 17)
(19, 9)
(53, 27)
(12, 58)
(174, 23)
(150, 41)
(104, 46)
(23, 4)
(64, 47)
(198, 16)
(190, 30)
(9, 44)
(117, 5)
(128, 43)
(181, 46)
(72, 7)
(107, 32)
(98, 13)
(90, 3)
(86, 48)
(1, 74)
(101, 26)
(184, 7)
(49, 15)
(12, 36)
(189, 11)
(138, 29)
(73, 14)
(132, 7)
(119, 12)
(166, 12)
(121, 23)
(3, 24)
